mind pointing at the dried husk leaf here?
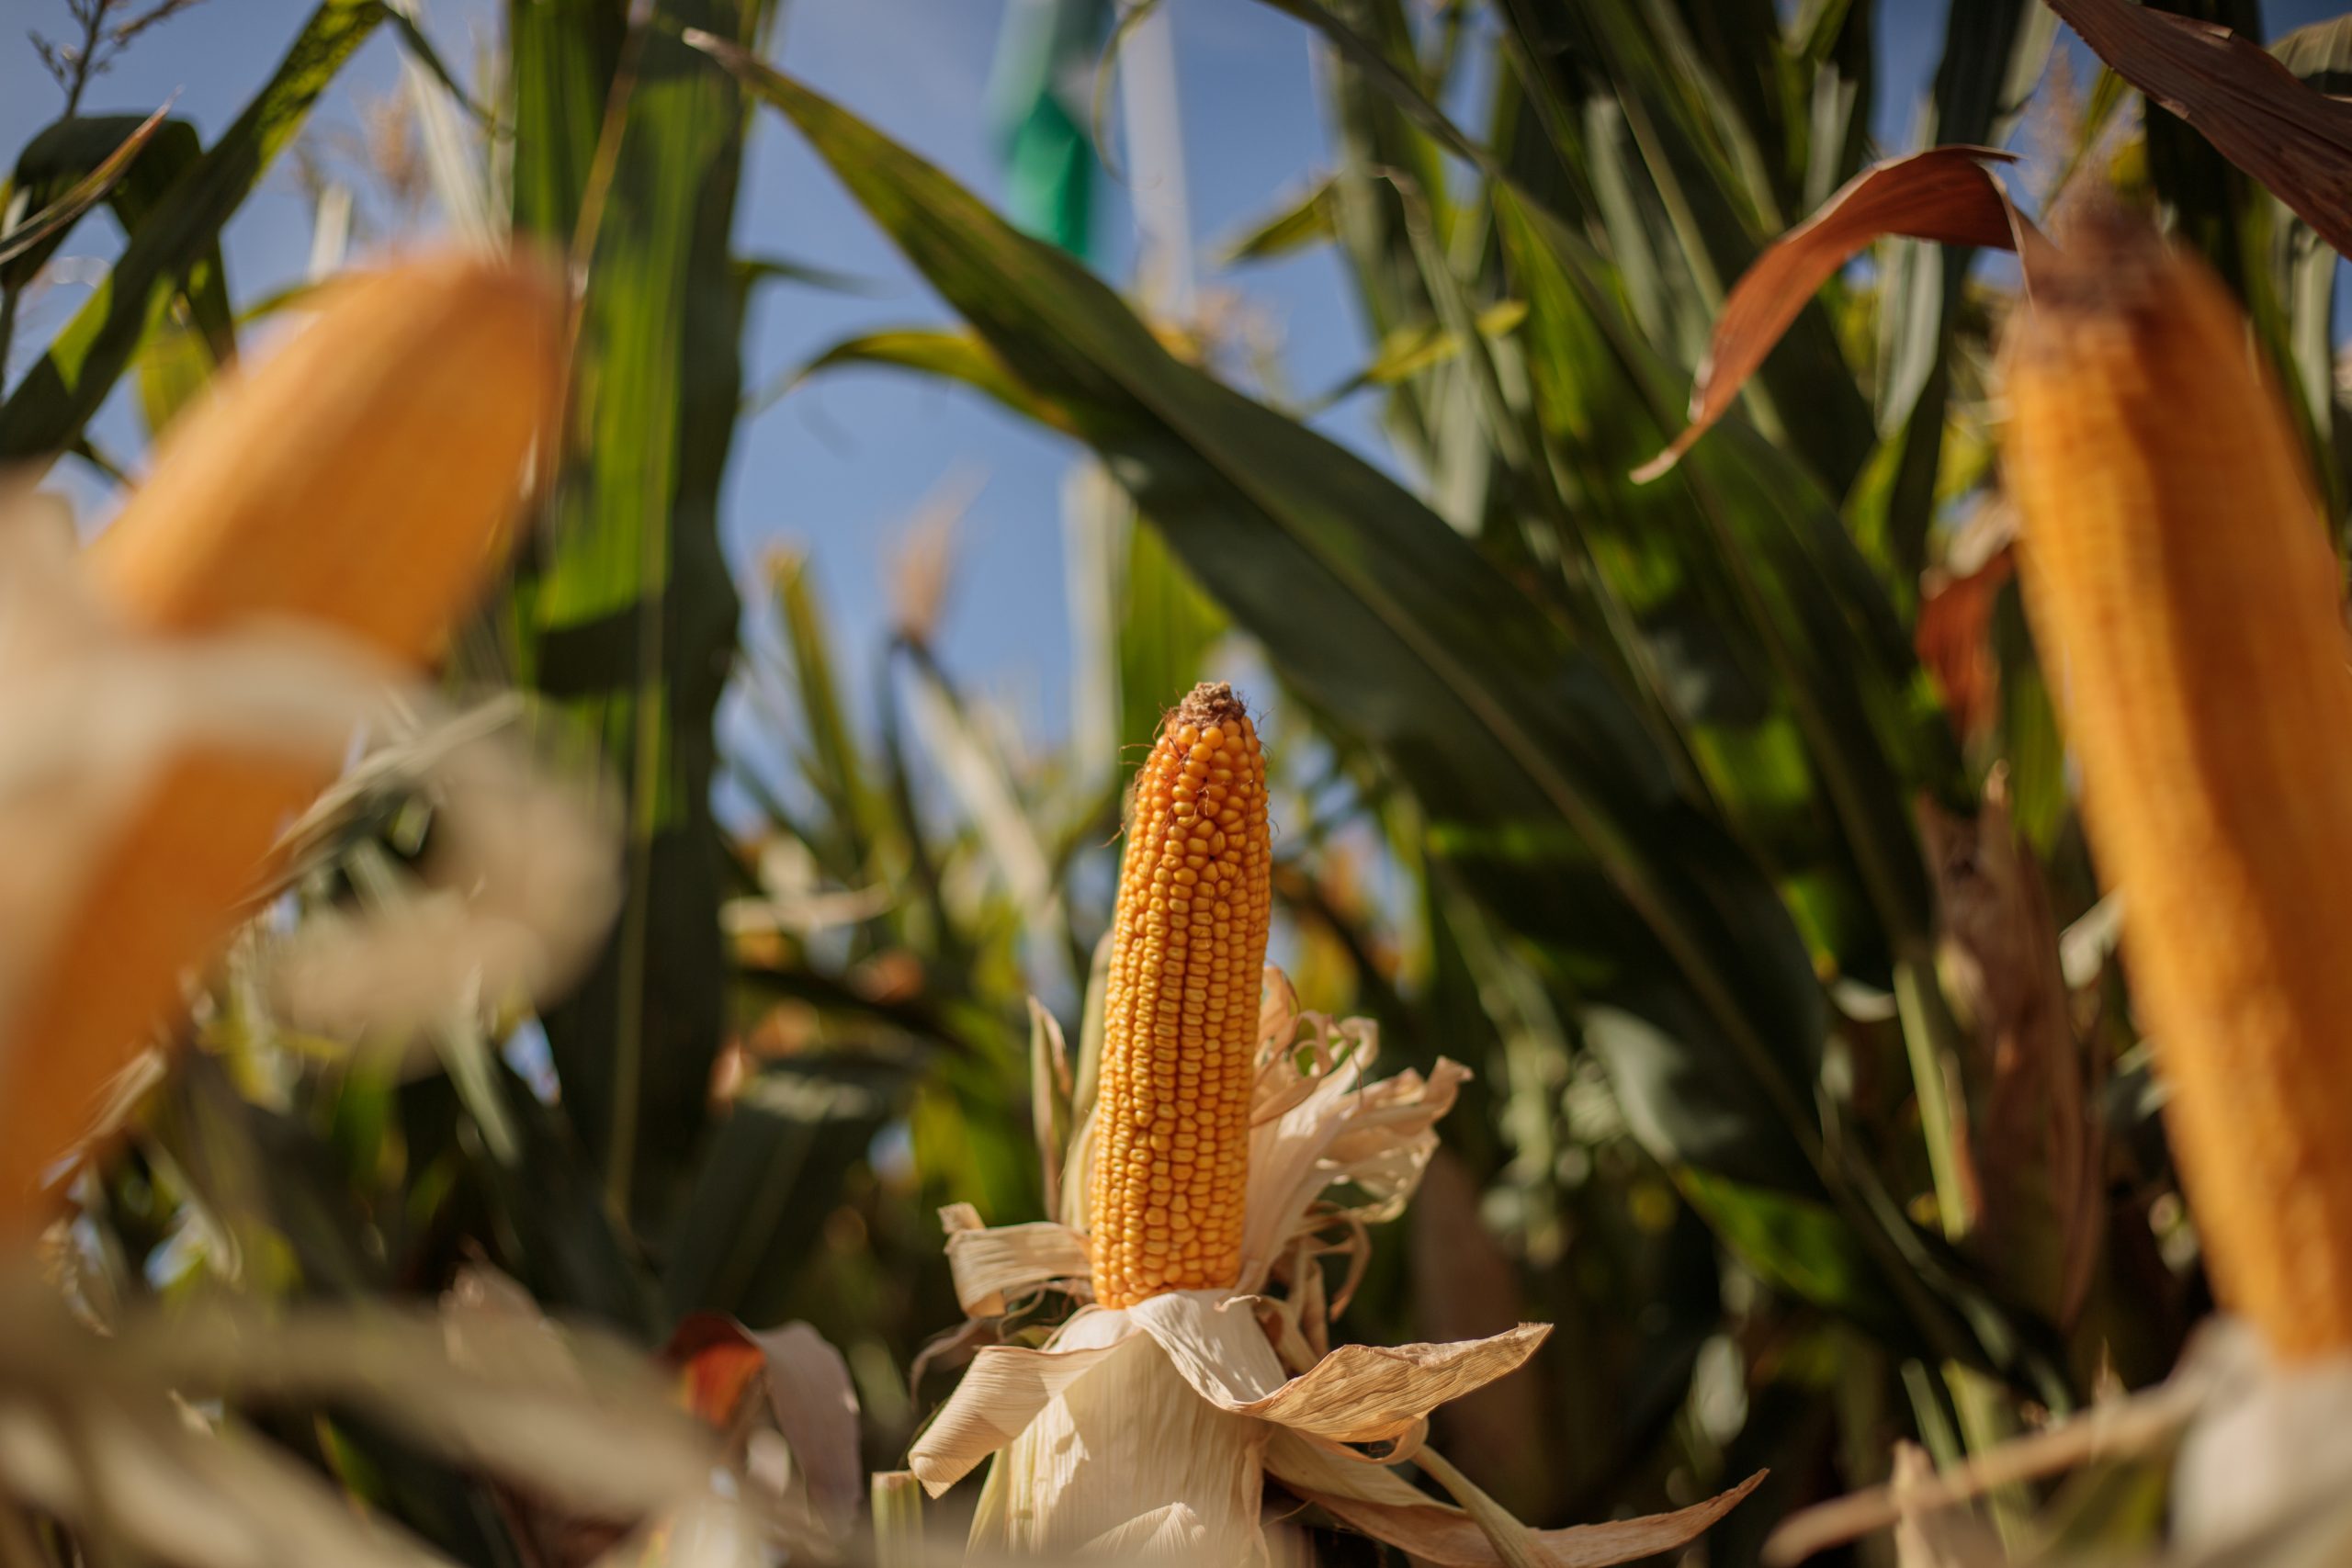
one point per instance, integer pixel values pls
(584, 1421)
(524, 878)
(989, 1262)
(1170, 1534)
(1359, 1394)
(2277, 1441)
(604, 1436)
(815, 1403)
(209, 1500)
(1377, 1501)
(1003, 1390)
(1316, 1123)
(1123, 1445)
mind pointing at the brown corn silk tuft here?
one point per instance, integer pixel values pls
(2177, 570)
(360, 479)
(1180, 1010)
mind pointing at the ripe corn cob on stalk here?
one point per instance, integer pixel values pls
(1235, 1143)
(1180, 1015)
(2177, 571)
(359, 481)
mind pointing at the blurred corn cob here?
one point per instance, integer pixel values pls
(2179, 573)
(1180, 1010)
(360, 481)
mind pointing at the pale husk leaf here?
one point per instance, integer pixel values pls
(1003, 1390)
(1172, 1533)
(1112, 1457)
(991, 1262)
(815, 1403)
(1359, 1394)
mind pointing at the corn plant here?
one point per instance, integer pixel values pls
(1708, 776)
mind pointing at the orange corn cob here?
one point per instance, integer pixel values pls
(361, 478)
(2177, 570)
(1180, 1010)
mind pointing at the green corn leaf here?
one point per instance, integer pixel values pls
(831, 764)
(623, 615)
(1696, 169)
(755, 1213)
(1298, 225)
(951, 355)
(1994, 55)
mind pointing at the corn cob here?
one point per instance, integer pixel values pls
(359, 479)
(1180, 1010)
(2178, 575)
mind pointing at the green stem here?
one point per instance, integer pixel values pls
(898, 1520)
(1928, 1041)
(7, 330)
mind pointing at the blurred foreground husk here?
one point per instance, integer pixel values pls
(2179, 571)
(358, 481)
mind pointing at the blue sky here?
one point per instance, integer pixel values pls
(839, 467)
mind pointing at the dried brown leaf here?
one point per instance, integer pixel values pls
(1377, 1501)
(2252, 109)
(1947, 193)
(1952, 642)
(2033, 1144)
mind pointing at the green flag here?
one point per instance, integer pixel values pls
(1039, 100)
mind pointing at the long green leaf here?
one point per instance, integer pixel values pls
(1992, 55)
(1694, 170)
(931, 351)
(624, 616)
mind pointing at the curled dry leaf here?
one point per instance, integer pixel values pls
(991, 1263)
(2294, 139)
(810, 1396)
(1947, 193)
(1379, 1502)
